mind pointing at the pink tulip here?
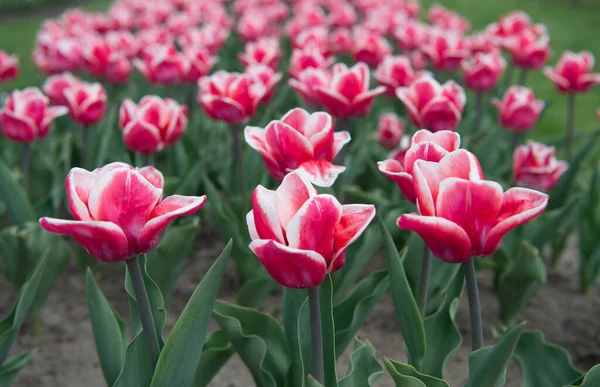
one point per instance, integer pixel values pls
(253, 26)
(482, 71)
(86, 102)
(119, 211)
(300, 236)
(9, 67)
(199, 62)
(211, 37)
(389, 130)
(369, 47)
(528, 50)
(309, 57)
(431, 105)
(124, 43)
(573, 74)
(514, 24)
(26, 116)
(267, 77)
(230, 97)
(264, 51)
(462, 216)
(118, 71)
(483, 42)
(394, 72)
(153, 124)
(347, 94)
(317, 37)
(424, 145)
(412, 35)
(446, 19)
(55, 87)
(340, 41)
(162, 64)
(301, 142)
(536, 167)
(342, 15)
(96, 55)
(446, 49)
(308, 82)
(519, 110)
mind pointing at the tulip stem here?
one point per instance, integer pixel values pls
(147, 159)
(236, 132)
(137, 280)
(517, 140)
(84, 142)
(478, 115)
(26, 166)
(523, 77)
(474, 305)
(424, 284)
(570, 125)
(508, 75)
(316, 334)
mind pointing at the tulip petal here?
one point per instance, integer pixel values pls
(393, 170)
(561, 82)
(288, 146)
(519, 205)
(266, 220)
(320, 172)
(363, 102)
(447, 139)
(141, 136)
(336, 103)
(104, 241)
(163, 214)
(153, 175)
(290, 267)
(446, 239)
(296, 118)
(355, 219)
(251, 226)
(339, 140)
(16, 128)
(223, 108)
(79, 184)
(440, 114)
(293, 192)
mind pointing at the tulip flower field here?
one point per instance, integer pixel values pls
(299, 193)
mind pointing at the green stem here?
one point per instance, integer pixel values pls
(236, 132)
(523, 77)
(478, 116)
(316, 334)
(85, 147)
(508, 75)
(141, 296)
(146, 159)
(570, 125)
(26, 166)
(424, 284)
(517, 139)
(474, 305)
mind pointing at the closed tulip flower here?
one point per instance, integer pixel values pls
(446, 50)
(301, 142)
(340, 41)
(230, 97)
(9, 67)
(573, 73)
(446, 19)
(162, 65)
(153, 124)
(267, 77)
(309, 57)
(55, 87)
(394, 72)
(424, 145)
(118, 71)
(431, 105)
(86, 102)
(119, 210)
(535, 166)
(462, 216)
(300, 236)
(96, 55)
(411, 35)
(519, 110)
(482, 71)
(199, 62)
(369, 47)
(528, 50)
(26, 116)
(264, 51)
(347, 94)
(307, 84)
(389, 130)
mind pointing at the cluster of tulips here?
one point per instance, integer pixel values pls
(301, 231)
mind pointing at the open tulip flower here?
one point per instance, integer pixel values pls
(519, 110)
(301, 142)
(119, 211)
(462, 216)
(55, 87)
(86, 102)
(264, 51)
(573, 74)
(26, 116)
(307, 83)
(9, 67)
(424, 145)
(300, 236)
(431, 105)
(535, 166)
(230, 97)
(483, 70)
(153, 124)
(394, 72)
(389, 130)
(347, 94)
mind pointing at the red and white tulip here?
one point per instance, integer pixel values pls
(573, 73)
(519, 110)
(86, 102)
(535, 166)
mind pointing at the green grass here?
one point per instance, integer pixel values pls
(571, 28)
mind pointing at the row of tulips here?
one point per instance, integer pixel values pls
(306, 239)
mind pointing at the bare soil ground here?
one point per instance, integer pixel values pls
(67, 357)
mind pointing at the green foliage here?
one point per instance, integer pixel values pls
(297, 331)
(364, 368)
(406, 376)
(13, 195)
(328, 330)
(215, 353)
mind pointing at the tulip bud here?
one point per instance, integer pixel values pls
(86, 102)
(519, 110)
(389, 130)
(573, 74)
(9, 67)
(536, 167)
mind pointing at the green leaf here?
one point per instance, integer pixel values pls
(254, 292)
(217, 350)
(136, 370)
(364, 369)
(590, 379)
(108, 328)
(328, 330)
(14, 197)
(10, 325)
(554, 220)
(543, 364)
(297, 332)
(165, 263)
(487, 366)
(312, 382)
(258, 339)
(443, 336)
(407, 312)
(352, 312)
(520, 282)
(12, 366)
(180, 356)
(190, 183)
(157, 305)
(406, 376)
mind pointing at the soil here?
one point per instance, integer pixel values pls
(67, 357)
